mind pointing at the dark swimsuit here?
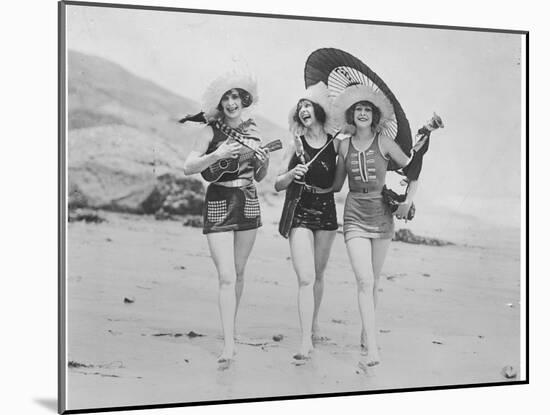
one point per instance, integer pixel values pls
(235, 206)
(317, 211)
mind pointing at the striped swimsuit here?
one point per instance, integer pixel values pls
(366, 215)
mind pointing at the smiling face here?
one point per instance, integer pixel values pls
(363, 114)
(306, 113)
(231, 104)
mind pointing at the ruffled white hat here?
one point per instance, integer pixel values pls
(230, 80)
(318, 94)
(356, 93)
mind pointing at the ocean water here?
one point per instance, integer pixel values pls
(491, 223)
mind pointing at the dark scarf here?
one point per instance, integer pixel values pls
(247, 129)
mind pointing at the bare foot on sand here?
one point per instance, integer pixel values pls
(371, 359)
(224, 364)
(228, 353)
(225, 361)
(317, 338)
(305, 351)
(365, 350)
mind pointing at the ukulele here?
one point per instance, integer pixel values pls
(231, 165)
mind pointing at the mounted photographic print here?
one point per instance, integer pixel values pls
(258, 207)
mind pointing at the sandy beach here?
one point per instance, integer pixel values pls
(144, 328)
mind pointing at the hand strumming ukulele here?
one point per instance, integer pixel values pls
(231, 165)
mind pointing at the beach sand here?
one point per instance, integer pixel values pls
(446, 316)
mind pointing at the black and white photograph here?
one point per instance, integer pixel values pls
(262, 207)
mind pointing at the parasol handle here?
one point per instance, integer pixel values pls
(323, 148)
(425, 131)
(412, 170)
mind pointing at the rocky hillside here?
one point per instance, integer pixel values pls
(125, 146)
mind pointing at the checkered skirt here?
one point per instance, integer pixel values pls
(231, 209)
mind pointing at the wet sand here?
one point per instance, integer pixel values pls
(144, 326)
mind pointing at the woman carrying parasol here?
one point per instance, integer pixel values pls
(314, 223)
(231, 210)
(368, 220)
(380, 140)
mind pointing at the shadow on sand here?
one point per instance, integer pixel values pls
(48, 403)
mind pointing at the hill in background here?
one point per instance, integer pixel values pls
(125, 143)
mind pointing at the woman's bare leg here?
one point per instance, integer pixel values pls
(301, 249)
(360, 254)
(221, 250)
(244, 241)
(379, 253)
(322, 245)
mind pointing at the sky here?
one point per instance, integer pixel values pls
(472, 79)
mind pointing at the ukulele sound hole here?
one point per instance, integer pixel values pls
(223, 164)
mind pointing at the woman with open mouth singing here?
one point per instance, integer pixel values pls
(311, 162)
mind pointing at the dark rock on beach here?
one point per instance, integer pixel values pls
(81, 215)
(122, 169)
(509, 372)
(194, 221)
(176, 195)
(405, 235)
(162, 215)
(74, 365)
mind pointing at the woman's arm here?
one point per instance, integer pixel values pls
(403, 209)
(285, 176)
(197, 160)
(340, 175)
(391, 149)
(261, 164)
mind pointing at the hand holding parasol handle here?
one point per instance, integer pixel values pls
(412, 170)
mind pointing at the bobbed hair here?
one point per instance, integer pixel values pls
(320, 114)
(245, 96)
(375, 113)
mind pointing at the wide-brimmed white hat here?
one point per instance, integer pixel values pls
(318, 94)
(356, 93)
(230, 80)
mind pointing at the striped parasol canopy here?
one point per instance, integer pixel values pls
(340, 70)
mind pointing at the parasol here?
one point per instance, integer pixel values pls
(339, 70)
